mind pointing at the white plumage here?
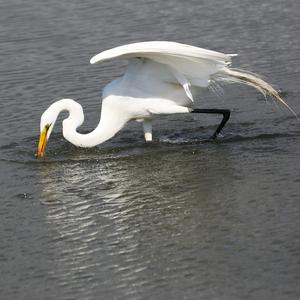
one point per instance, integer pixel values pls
(161, 78)
(175, 63)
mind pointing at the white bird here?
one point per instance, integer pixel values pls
(161, 78)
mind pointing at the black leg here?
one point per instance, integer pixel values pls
(224, 112)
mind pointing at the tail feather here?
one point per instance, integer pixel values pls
(251, 79)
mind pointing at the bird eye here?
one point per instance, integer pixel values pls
(47, 126)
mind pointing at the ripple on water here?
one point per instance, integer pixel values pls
(128, 209)
(60, 150)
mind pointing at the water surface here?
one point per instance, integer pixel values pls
(180, 218)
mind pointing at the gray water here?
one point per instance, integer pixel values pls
(180, 218)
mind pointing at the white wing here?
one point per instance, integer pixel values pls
(189, 65)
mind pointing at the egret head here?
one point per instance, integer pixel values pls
(70, 124)
(47, 123)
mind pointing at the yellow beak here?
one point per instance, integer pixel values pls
(42, 143)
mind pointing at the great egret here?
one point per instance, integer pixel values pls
(161, 78)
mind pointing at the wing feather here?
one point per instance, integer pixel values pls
(146, 49)
(190, 65)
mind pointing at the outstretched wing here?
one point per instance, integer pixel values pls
(189, 65)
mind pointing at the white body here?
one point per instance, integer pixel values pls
(161, 78)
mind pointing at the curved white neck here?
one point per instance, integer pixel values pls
(106, 128)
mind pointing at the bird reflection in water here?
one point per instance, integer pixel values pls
(130, 219)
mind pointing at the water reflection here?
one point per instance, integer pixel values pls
(132, 220)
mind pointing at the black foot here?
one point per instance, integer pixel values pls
(224, 112)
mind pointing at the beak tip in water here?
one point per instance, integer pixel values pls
(42, 144)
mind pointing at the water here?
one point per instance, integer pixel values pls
(181, 218)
